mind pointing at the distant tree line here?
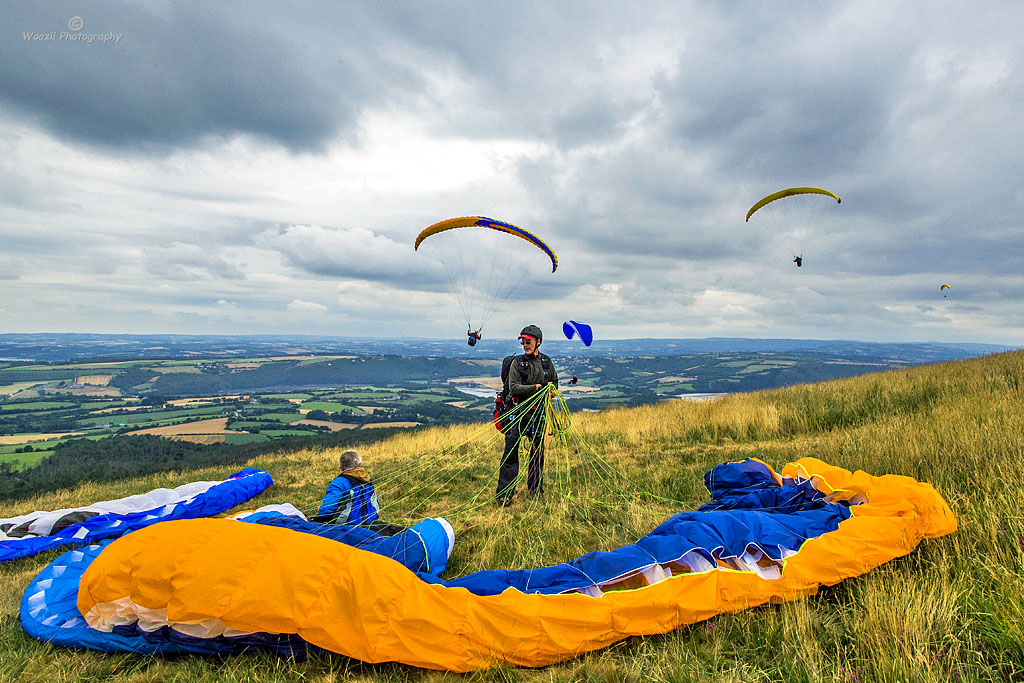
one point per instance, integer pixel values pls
(49, 422)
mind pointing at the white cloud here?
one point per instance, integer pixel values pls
(298, 306)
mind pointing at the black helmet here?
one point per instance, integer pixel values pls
(532, 331)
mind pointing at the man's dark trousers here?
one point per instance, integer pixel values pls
(509, 471)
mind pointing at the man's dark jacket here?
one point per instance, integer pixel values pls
(521, 388)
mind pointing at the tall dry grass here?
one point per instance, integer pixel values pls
(951, 611)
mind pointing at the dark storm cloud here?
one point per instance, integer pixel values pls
(532, 70)
(772, 120)
(180, 73)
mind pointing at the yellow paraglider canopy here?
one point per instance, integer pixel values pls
(789, 193)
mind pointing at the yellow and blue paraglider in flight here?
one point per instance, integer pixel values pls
(943, 288)
(484, 222)
(481, 266)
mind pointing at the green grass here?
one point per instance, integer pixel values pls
(330, 407)
(362, 396)
(420, 398)
(278, 433)
(24, 459)
(277, 417)
(114, 403)
(245, 438)
(953, 610)
(666, 388)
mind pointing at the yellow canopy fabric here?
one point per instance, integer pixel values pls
(216, 576)
(789, 192)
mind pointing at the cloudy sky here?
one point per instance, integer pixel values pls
(264, 167)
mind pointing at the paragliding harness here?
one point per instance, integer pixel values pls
(503, 403)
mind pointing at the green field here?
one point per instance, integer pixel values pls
(245, 438)
(38, 453)
(280, 417)
(116, 403)
(33, 406)
(330, 407)
(362, 395)
(278, 433)
(401, 389)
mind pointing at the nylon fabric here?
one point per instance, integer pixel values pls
(371, 608)
(109, 519)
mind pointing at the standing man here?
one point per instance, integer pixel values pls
(529, 374)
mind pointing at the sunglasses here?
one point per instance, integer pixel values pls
(524, 342)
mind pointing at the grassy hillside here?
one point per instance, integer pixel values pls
(951, 611)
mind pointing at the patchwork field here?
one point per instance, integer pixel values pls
(333, 426)
(217, 425)
(32, 438)
(274, 397)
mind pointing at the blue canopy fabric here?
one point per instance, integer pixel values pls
(571, 328)
(423, 547)
(33, 533)
(750, 510)
(744, 522)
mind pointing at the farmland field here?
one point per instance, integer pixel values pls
(251, 399)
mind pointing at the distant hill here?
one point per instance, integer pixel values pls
(71, 347)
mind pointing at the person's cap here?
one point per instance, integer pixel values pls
(531, 332)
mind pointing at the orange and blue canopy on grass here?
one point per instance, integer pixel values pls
(222, 585)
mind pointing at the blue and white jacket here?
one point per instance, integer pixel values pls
(350, 499)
